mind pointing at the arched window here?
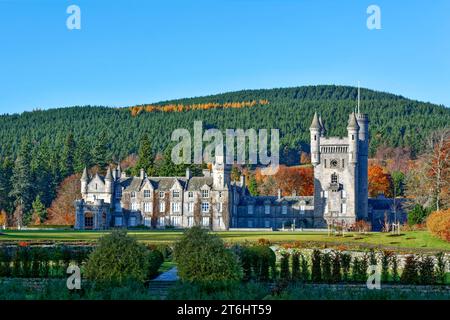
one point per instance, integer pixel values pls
(334, 178)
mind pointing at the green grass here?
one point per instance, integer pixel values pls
(422, 240)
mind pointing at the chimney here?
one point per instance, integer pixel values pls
(142, 174)
(279, 194)
(188, 173)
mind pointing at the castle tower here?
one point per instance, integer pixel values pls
(221, 173)
(363, 156)
(315, 132)
(353, 136)
(84, 182)
(109, 181)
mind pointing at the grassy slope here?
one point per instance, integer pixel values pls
(408, 240)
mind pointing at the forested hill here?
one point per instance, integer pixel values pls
(395, 120)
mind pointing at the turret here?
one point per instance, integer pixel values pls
(315, 130)
(220, 172)
(363, 122)
(119, 171)
(109, 181)
(84, 182)
(353, 131)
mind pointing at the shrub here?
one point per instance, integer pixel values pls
(438, 223)
(296, 266)
(395, 275)
(417, 215)
(441, 266)
(336, 268)
(410, 274)
(284, 266)
(118, 258)
(426, 270)
(203, 257)
(359, 269)
(326, 267)
(362, 226)
(304, 275)
(346, 260)
(155, 258)
(385, 262)
(316, 269)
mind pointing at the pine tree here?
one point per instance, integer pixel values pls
(82, 157)
(68, 155)
(145, 157)
(6, 201)
(100, 152)
(21, 180)
(39, 211)
(253, 186)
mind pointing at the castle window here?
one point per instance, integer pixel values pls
(118, 192)
(205, 193)
(220, 194)
(334, 178)
(267, 209)
(95, 186)
(267, 223)
(250, 223)
(353, 137)
(325, 163)
(147, 207)
(190, 221)
(315, 137)
(190, 194)
(250, 209)
(161, 194)
(162, 207)
(344, 208)
(220, 206)
(146, 193)
(134, 206)
(344, 194)
(175, 207)
(148, 222)
(132, 221)
(205, 221)
(161, 221)
(175, 193)
(302, 209)
(190, 207)
(133, 194)
(284, 209)
(343, 163)
(205, 207)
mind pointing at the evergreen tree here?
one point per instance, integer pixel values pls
(145, 157)
(100, 152)
(43, 179)
(82, 157)
(6, 201)
(39, 211)
(21, 180)
(68, 156)
(253, 186)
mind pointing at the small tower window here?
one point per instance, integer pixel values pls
(343, 163)
(334, 178)
(315, 138)
(353, 137)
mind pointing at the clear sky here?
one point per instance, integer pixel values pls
(132, 52)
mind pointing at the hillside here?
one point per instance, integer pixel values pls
(395, 120)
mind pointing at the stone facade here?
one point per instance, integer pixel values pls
(215, 202)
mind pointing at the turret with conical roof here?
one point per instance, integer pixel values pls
(109, 181)
(315, 132)
(353, 130)
(84, 181)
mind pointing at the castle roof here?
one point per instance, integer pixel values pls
(85, 174)
(352, 123)
(315, 124)
(108, 174)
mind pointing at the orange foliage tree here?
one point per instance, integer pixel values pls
(288, 179)
(62, 209)
(438, 223)
(3, 218)
(379, 181)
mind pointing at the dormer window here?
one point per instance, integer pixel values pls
(133, 194)
(190, 194)
(205, 193)
(146, 193)
(176, 193)
(161, 194)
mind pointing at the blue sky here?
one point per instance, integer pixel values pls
(133, 52)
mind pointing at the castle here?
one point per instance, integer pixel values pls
(215, 202)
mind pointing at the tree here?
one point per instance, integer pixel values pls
(39, 211)
(202, 257)
(6, 201)
(438, 223)
(379, 182)
(398, 183)
(21, 180)
(82, 156)
(253, 186)
(145, 158)
(62, 210)
(3, 218)
(417, 215)
(68, 156)
(100, 152)
(118, 258)
(235, 174)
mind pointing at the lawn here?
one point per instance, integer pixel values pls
(408, 240)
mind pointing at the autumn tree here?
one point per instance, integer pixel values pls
(379, 181)
(62, 210)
